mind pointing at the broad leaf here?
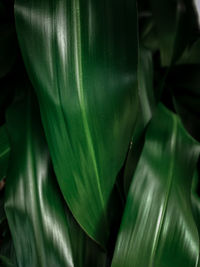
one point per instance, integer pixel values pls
(82, 58)
(158, 227)
(43, 231)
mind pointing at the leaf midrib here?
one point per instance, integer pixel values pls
(79, 82)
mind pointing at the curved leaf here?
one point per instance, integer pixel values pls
(82, 59)
(158, 228)
(43, 231)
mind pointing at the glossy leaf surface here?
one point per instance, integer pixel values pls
(158, 227)
(4, 152)
(43, 230)
(82, 58)
(197, 6)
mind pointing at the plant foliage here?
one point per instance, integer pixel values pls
(99, 133)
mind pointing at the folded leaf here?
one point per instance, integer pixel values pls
(43, 231)
(158, 227)
(82, 59)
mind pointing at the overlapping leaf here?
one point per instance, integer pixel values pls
(158, 227)
(82, 58)
(176, 23)
(43, 231)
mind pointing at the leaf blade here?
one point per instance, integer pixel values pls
(43, 231)
(158, 227)
(83, 68)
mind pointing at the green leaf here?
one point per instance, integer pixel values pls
(4, 152)
(147, 104)
(5, 262)
(196, 199)
(7, 252)
(158, 228)
(43, 231)
(147, 100)
(176, 26)
(191, 54)
(81, 57)
(184, 81)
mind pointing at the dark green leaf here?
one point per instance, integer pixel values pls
(4, 152)
(158, 228)
(184, 82)
(148, 35)
(176, 24)
(147, 104)
(7, 252)
(191, 54)
(5, 262)
(196, 199)
(82, 59)
(44, 232)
